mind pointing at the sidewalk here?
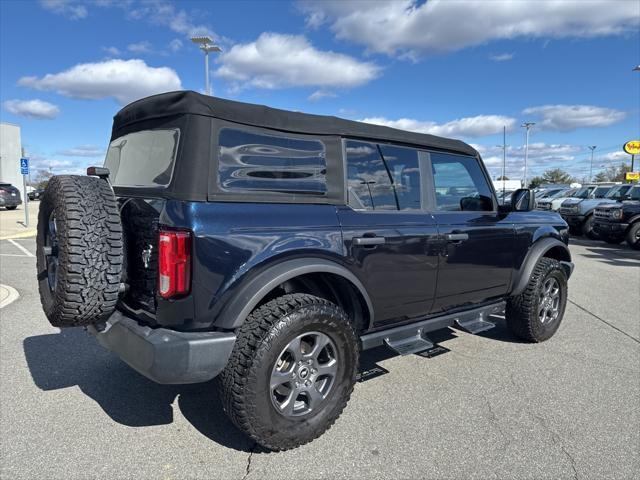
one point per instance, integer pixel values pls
(12, 222)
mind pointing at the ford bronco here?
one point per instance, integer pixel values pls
(268, 248)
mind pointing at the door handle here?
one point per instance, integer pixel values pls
(456, 237)
(369, 241)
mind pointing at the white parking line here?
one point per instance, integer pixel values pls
(26, 252)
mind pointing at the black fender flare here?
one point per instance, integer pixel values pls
(250, 294)
(536, 252)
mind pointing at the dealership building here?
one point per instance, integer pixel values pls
(10, 154)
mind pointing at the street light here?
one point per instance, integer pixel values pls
(528, 126)
(592, 148)
(206, 45)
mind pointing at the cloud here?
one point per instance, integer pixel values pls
(477, 126)
(410, 27)
(37, 109)
(83, 151)
(320, 94)
(565, 118)
(175, 44)
(68, 8)
(277, 61)
(124, 80)
(112, 51)
(502, 57)
(159, 12)
(140, 47)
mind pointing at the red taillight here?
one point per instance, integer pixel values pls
(174, 263)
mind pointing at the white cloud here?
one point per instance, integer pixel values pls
(412, 27)
(140, 47)
(71, 9)
(502, 57)
(175, 44)
(276, 61)
(565, 118)
(38, 109)
(83, 151)
(112, 51)
(164, 13)
(320, 94)
(477, 126)
(124, 80)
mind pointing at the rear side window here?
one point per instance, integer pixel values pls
(143, 159)
(404, 168)
(249, 161)
(460, 184)
(368, 183)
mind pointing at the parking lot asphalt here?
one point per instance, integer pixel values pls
(491, 407)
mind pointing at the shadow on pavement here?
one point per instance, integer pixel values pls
(618, 255)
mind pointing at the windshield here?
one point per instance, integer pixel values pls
(600, 192)
(568, 193)
(583, 192)
(143, 159)
(617, 192)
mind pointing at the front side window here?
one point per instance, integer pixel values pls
(368, 184)
(249, 161)
(143, 159)
(460, 184)
(634, 194)
(404, 167)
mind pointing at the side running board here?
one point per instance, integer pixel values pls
(412, 338)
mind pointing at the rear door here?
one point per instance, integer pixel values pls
(477, 261)
(390, 239)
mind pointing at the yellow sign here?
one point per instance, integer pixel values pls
(633, 176)
(632, 147)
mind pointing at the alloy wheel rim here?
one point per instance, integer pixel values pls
(549, 302)
(51, 252)
(304, 374)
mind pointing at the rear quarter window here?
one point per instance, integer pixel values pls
(257, 162)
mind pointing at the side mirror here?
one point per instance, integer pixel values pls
(523, 200)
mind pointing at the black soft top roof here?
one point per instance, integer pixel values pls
(189, 102)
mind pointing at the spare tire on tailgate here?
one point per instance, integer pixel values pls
(79, 250)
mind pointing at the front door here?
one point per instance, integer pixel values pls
(477, 260)
(390, 240)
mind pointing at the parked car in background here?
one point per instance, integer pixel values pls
(579, 214)
(9, 196)
(550, 193)
(618, 222)
(35, 194)
(553, 203)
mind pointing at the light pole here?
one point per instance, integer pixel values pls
(592, 148)
(528, 126)
(206, 45)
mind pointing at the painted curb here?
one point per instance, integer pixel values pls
(27, 234)
(13, 296)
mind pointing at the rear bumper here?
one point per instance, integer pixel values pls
(163, 355)
(10, 201)
(607, 228)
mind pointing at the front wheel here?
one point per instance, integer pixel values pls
(587, 228)
(633, 236)
(535, 314)
(291, 372)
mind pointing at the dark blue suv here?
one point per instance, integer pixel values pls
(269, 248)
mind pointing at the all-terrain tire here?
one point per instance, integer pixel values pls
(522, 312)
(633, 238)
(244, 384)
(79, 251)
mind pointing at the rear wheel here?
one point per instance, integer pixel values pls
(633, 236)
(291, 372)
(78, 251)
(536, 313)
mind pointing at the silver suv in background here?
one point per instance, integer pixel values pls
(578, 213)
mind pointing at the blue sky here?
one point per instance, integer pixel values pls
(455, 68)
